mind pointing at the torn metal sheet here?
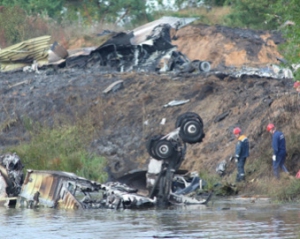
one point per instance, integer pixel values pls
(176, 102)
(17, 56)
(271, 71)
(142, 33)
(51, 189)
(186, 200)
(64, 190)
(114, 87)
(56, 60)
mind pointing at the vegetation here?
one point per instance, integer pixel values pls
(62, 147)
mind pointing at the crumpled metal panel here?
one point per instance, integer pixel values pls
(68, 201)
(142, 33)
(57, 189)
(11, 169)
(25, 53)
(48, 188)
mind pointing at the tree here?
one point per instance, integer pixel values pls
(254, 14)
(279, 15)
(114, 11)
(288, 14)
(50, 7)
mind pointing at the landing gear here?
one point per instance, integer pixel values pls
(170, 149)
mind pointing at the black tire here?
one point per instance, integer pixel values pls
(191, 131)
(150, 145)
(187, 115)
(205, 66)
(163, 149)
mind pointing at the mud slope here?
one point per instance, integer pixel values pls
(126, 118)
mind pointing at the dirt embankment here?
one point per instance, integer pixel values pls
(228, 46)
(121, 116)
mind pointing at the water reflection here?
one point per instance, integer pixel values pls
(223, 220)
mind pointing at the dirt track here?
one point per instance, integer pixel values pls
(223, 103)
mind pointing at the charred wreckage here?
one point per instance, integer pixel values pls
(165, 183)
(147, 48)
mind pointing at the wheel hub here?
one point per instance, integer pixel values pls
(163, 149)
(192, 129)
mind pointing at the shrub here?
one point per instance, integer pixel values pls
(13, 26)
(61, 148)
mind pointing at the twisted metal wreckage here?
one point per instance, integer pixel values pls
(146, 48)
(165, 183)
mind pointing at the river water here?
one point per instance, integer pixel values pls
(219, 219)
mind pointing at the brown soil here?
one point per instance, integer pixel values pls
(251, 102)
(227, 46)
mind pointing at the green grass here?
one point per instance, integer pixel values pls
(62, 148)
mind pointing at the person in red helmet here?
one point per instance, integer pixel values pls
(297, 86)
(241, 153)
(279, 150)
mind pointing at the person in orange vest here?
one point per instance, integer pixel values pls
(279, 150)
(241, 153)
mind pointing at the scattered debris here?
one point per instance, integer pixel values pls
(272, 71)
(118, 85)
(163, 180)
(163, 121)
(11, 177)
(20, 83)
(32, 68)
(176, 102)
(221, 167)
(287, 23)
(179, 62)
(221, 116)
(140, 50)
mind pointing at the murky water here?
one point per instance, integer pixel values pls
(218, 220)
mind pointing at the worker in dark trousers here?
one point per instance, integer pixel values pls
(279, 150)
(241, 153)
